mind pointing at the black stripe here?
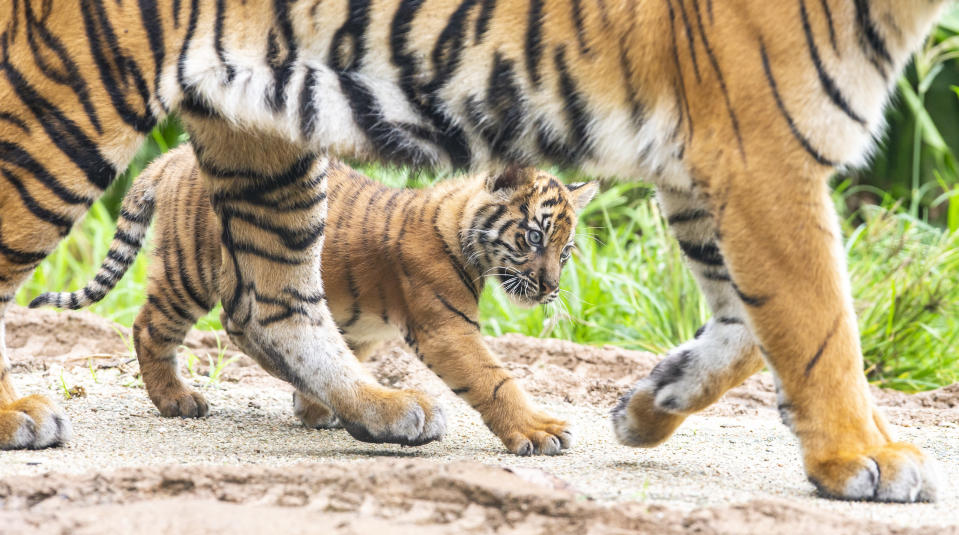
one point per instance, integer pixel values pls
(578, 23)
(751, 300)
(105, 281)
(822, 347)
(14, 120)
(218, 39)
(176, 13)
(119, 258)
(454, 261)
(52, 59)
(722, 81)
(253, 249)
(153, 26)
(142, 216)
(124, 237)
(31, 204)
(457, 311)
(691, 42)
(184, 276)
(534, 40)
(446, 59)
(296, 239)
(119, 73)
(482, 21)
(187, 41)
(704, 253)
(63, 132)
(461, 391)
(832, 28)
(681, 86)
(14, 154)
(828, 84)
(262, 184)
(500, 384)
(822, 160)
(687, 216)
(16, 256)
(308, 105)
(283, 71)
(502, 120)
(728, 320)
(871, 42)
(575, 107)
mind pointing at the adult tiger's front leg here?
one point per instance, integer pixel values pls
(270, 199)
(788, 268)
(724, 352)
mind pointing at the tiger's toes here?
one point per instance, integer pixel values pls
(895, 472)
(382, 415)
(313, 414)
(33, 422)
(183, 402)
(639, 421)
(538, 435)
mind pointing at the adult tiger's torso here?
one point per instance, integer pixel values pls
(389, 245)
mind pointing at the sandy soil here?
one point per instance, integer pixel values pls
(249, 468)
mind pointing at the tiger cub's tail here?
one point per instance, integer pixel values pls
(136, 212)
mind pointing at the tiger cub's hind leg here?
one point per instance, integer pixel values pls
(158, 331)
(722, 355)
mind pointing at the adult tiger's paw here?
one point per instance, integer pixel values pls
(639, 421)
(535, 433)
(895, 472)
(314, 414)
(33, 422)
(405, 417)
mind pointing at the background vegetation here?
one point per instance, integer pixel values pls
(627, 284)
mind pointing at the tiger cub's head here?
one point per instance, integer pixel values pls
(522, 231)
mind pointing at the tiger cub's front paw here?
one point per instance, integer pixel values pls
(535, 433)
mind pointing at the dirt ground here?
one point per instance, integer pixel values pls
(250, 468)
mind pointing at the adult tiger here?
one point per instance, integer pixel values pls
(739, 111)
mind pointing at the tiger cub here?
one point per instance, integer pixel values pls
(403, 263)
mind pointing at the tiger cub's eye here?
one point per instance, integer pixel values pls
(534, 237)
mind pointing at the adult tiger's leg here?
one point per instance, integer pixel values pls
(34, 421)
(788, 268)
(270, 199)
(316, 415)
(721, 356)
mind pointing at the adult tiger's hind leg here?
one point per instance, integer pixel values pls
(270, 199)
(30, 422)
(788, 267)
(698, 372)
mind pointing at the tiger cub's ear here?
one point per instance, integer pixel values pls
(581, 193)
(510, 179)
